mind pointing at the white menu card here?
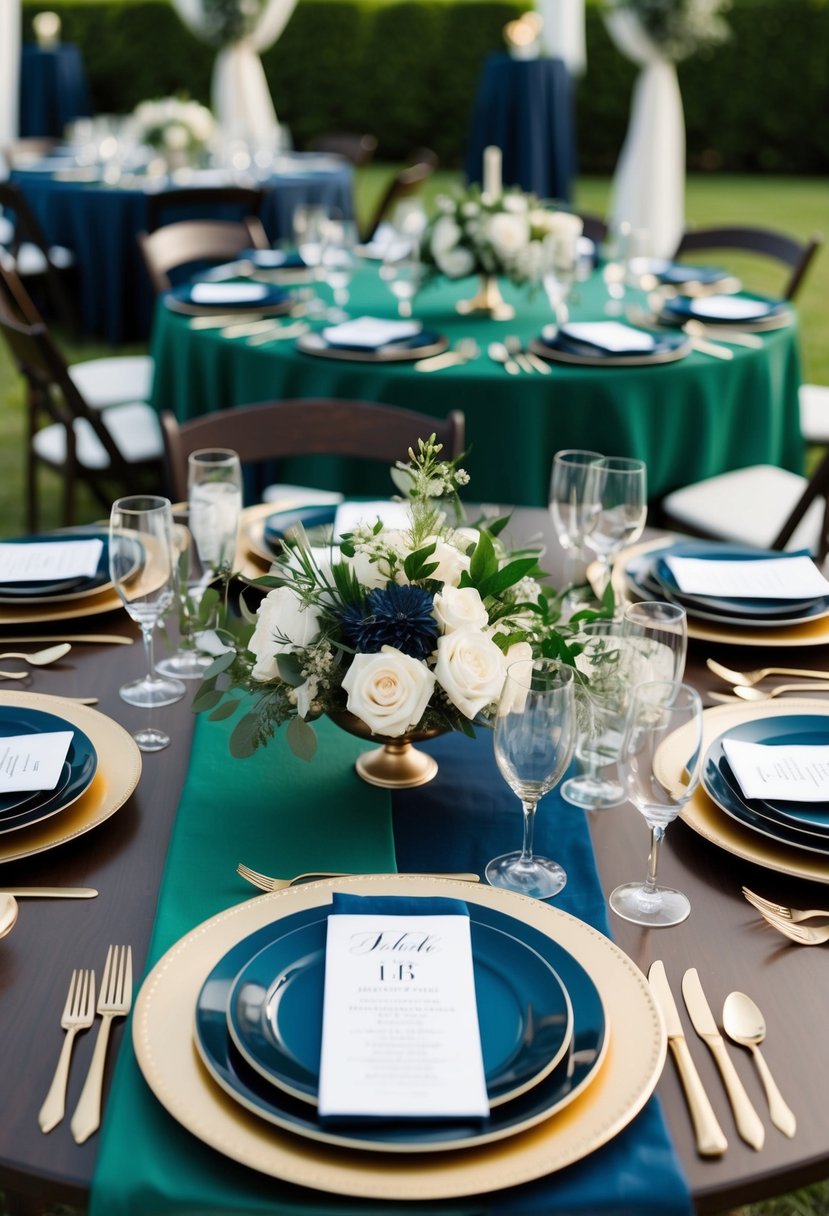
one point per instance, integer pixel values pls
(796, 773)
(33, 762)
(46, 561)
(400, 1034)
(770, 578)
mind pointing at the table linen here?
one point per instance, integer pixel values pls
(285, 817)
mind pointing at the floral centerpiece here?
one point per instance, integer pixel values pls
(407, 630)
(178, 128)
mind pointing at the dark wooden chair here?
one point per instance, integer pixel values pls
(192, 242)
(117, 446)
(357, 148)
(202, 202)
(40, 264)
(305, 427)
(778, 246)
(407, 182)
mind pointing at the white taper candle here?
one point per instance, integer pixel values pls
(492, 171)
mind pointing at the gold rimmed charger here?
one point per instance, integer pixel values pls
(169, 1061)
(119, 768)
(703, 816)
(392, 352)
(553, 355)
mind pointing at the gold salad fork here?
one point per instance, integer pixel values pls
(793, 914)
(78, 1014)
(265, 883)
(113, 1002)
(804, 935)
(747, 678)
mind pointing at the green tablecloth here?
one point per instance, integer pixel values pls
(687, 420)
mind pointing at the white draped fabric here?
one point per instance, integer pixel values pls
(240, 97)
(562, 35)
(649, 183)
(9, 71)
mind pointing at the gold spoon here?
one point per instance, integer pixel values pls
(757, 694)
(40, 658)
(743, 1022)
(8, 914)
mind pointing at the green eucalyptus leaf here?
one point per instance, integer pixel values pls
(302, 738)
(206, 698)
(220, 664)
(226, 710)
(289, 669)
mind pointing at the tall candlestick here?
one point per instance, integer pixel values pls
(492, 171)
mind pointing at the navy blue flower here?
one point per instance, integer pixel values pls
(393, 616)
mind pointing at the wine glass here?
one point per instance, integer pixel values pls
(619, 484)
(658, 632)
(535, 732)
(658, 709)
(338, 257)
(601, 705)
(559, 268)
(403, 270)
(573, 512)
(141, 533)
(614, 267)
(309, 223)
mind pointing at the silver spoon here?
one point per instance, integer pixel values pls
(499, 354)
(743, 1022)
(40, 658)
(8, 914)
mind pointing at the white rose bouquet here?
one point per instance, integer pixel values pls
(679, 28)
(174, 125)
(406, 629)
(472, 233)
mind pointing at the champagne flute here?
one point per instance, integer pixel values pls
(214, 480)
(619, 484)
(338, 257)
(403, 270)
(309, 221)
(614, 267)
(559, 268)
(534, 737)
(573, 509)
(141, 528)
(191, 578)
(601, 707)
(658, 632)
(658, 709)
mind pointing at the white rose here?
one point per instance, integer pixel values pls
(508, 233)
(456, 263)
(176, 137)
(451, 561)
(470, 669)
(515, 691)
(460, 608)
(563, 223)
(388, 691)
(283, 623)
(445, 235)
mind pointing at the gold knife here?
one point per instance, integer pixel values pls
(105, 639)
(749, 1124)
(50, 892)
(710, 1137)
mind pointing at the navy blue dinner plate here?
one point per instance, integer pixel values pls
(559, 346)
(80, 767)
(760, 311)
(280, 523)
(258, 297)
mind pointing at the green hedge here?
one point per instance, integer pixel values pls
(408, 71)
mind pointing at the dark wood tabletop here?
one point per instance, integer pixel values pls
(123, 858)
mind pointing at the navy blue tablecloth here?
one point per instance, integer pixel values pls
(53, 89)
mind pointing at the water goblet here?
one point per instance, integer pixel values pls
(141, 534)
(535, 732)
(619, 484)
(602, 701)
(658, 632)
(658, 710)
(573, 512)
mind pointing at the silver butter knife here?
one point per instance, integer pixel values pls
(749, 1124)
(710, 1137)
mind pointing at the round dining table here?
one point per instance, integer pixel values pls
(688, 419)
(100, 222)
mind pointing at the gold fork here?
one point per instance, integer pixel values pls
(793, 914)
(804, 935)
(757, 694)
(78, 1014)
(265, 883)
(747, 678)
(113, 1002)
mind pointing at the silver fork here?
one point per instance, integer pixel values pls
(78, 1014)
(747, 678)
(265, 883)
(113, 1002)
(793, 914)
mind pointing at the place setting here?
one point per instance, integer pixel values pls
(374, 340)
(204, 298)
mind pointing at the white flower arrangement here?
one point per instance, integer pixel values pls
(679, 28)
(509, 235)
(174, 125)
(407, 629)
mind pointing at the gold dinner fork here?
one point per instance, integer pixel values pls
(757, 694)
(113, 1002)
(265, 883)
(804, 935)
(747, 678)
(793, 914)
(78, 1014)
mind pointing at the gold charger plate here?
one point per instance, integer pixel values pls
(703, 815)
(552, 355)
(757, 325)
(279, 309)
(119, 768)
(393, 352)
(168, 1058)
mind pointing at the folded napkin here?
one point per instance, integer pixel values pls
(33, 761)
(731, 308)
(228, 293)
(613, 337)
(48, 561)
(788, 578)
(369, 333)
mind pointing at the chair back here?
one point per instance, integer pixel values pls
(816, 487)
(27, 229)
(422, 164)
(305, 427)
(188, 242)
(202, 202)
(359, 149)
(779, 246)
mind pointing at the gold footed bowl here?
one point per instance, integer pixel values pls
(396, 765)
(487, 301)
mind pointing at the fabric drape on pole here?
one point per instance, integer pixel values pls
(240, 97)
(562, 35)
(649, 183)
(9, 72)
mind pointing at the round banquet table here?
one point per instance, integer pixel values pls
(688, 420)
(100, 224)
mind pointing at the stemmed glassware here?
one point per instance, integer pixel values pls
(614, 267)
(619, 485)
(309, 223)
(658, 710)
(574, 506)
(535, 733)
(338, 256)
(141, 535)
(214, 480)
(402, 267)
(191, 579)
(559, 270)
(658, 633)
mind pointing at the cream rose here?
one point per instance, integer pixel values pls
(508, 233)
(515, 691)
(451, 561)
(283, 623)
(469, 669)
(455, 263)
(460, 608)
(388, 691)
